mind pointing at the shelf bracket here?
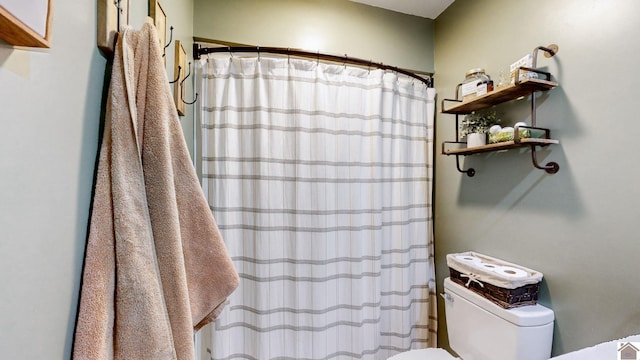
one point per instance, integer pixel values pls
(551, 167)
(470, 172)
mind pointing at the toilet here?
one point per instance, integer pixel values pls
(478, 329)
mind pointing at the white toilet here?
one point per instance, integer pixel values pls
(478, 329)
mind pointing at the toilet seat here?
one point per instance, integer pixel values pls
(424, 354)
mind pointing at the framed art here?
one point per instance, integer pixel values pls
(156, 12)
(179, 70)
(26, 23)
(111, 15)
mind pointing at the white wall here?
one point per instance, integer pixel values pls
(579, 226)
(50, 113)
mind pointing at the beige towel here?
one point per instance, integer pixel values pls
(156, 268)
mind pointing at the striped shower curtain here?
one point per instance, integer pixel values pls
(320, 178)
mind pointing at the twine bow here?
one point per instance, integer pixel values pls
(472, 278)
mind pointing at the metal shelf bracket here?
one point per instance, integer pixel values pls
(551, 167)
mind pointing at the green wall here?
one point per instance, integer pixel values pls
(50, 111)
(578, 226)
(329, 26)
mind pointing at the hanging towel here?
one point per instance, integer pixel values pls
(156, 268)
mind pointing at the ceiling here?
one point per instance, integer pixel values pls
(429, 9)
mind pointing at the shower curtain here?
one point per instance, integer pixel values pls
(320, 178)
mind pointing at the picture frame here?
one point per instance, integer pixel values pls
(157, 13)
(26, 23)
(179, 70)
(111, 15)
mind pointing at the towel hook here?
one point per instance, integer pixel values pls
(164, 50)
(191, 102)
(182, 92)
(178, 77)
(120, 11)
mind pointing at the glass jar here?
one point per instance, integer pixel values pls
(469, 86)
(484, 86)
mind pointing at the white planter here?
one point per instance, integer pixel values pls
(476, 139)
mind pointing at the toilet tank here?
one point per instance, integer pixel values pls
(478, 329)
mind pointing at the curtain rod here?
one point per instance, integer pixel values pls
(198, 51)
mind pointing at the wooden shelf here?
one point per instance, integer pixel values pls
(501, 146)
(504, 94)
(526, 87)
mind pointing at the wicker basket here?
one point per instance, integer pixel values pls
(506, 298)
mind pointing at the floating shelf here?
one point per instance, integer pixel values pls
(521, 88)
(504, 94)
(501, 146)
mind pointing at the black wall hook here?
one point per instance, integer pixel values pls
(182, 92)
(191, 102)
(120, 12)
(164, 51)
(178, 76)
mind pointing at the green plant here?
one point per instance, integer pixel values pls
(478, 122)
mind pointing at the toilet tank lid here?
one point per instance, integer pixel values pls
(528, 315)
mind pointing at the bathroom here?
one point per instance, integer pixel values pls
(576, 226)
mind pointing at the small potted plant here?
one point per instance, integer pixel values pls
(475, 126)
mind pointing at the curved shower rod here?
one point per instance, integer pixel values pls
(199, 50)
